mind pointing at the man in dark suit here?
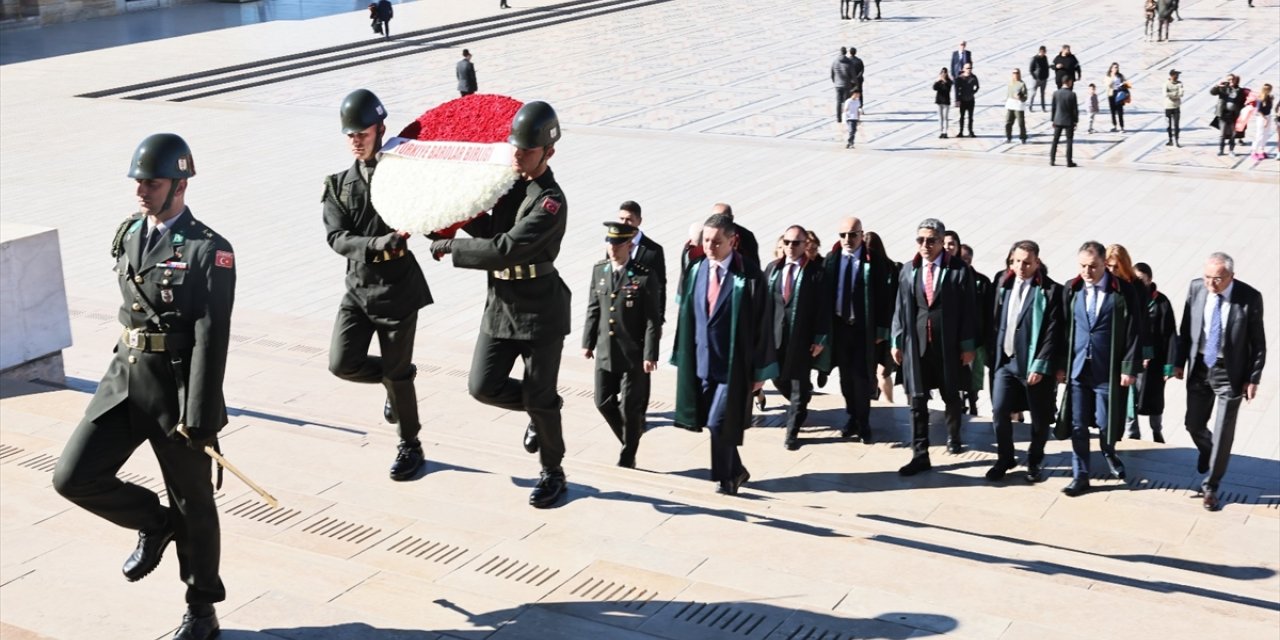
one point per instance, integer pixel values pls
(745, 241)
(385, 285)
(163, 386)
(644, 250)
(1223, 342)
(1066, 113)
(967, 87)
(798, 326)
(959, 58)
(624, 326)
(842, 79)
(385, 12)
(1024, 344)
(934, 337)
(1103, 317)
(466, 73)
(857, 69)
(722, 349)
(858, 300)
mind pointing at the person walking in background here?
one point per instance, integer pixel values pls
(1162, 332)
(856, 71)
(1164, 18)
(466, 73)
(1094, 107)
(842, 79)
(1039, 70)
(1117, 95)
(1172, 107)
(1231, 99)
(966, 94)
(1221, 338)
(959, 58)
(1263, 125)
(942, 98)
(1015, 103)
(1065, 65)
(852, 112)
(385, 12)
(1066, 113)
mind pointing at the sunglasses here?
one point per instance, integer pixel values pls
(930, 241)
(850, 234)
(792, 243)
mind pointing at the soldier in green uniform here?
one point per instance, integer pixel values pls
(177, 278)
(624, 326)
(385, 285)
(526, 313)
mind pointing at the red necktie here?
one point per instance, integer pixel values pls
(787, 285)
(928, 298)
(713, 287)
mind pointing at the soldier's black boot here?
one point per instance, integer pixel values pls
(408, 460)
(531, 438)
(551, 486)
(146, 556)
(200, 622)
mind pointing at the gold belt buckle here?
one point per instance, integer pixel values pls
(133, 338)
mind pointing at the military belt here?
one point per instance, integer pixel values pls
(153, 341)
(525, 271)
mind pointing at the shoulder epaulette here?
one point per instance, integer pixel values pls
(117, 244)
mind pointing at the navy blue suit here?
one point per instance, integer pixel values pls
(1090, 376)
(712, 348)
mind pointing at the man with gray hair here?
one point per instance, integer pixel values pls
(1223, 342)
(934, 335)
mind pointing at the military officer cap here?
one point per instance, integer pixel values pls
(163, 156)
(618, 232)
(535, 126)
(361, 110)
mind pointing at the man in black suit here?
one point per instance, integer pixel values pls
(857, 69)
(644, 250)
(746, 244)
(1066, 113)
(858, 300)
(466, 74)
(934, 337)
(1024, 346)
(799, 325)
(842, 79)
(1222, 339)
(623, 328)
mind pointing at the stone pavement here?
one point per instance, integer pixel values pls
(675, 104)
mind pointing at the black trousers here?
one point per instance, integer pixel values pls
(855, 384)
(86, 475)
(966, 106)
(1117, 111)
(1053, 148)
(932, 373)
(1227, 123)
(726, 464)
(1010, 390)
(622, 398)
(1208, 388)
(798, 394)
(1172, 120)
(349, 359)
(535, 394)
(1039, 88)
(842, 94)
(845, 9)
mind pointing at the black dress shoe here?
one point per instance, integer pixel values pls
(917, 464)
(1157, 435)
(551, 486)
(791, 443)
(731, 487)
(408, 460)
(1072, 165)
(627, 460)
(1034, 474)
(531, 439)
(849, 429)
(865, 436)
(1116, 466)
(1211, 501)
(954, 446)
(146, 556)
(1079, 486)
(997, 472)
(196, 627)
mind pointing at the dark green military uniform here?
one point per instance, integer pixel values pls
(623, 328)
(167, 370)
(526, 312)
(385, 290)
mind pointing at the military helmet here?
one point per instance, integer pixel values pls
(535, 126)
(361, 110)
(162, 155)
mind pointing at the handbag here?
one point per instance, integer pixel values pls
(1122, 96)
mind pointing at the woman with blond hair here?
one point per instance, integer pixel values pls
(1120, 265)
(1263, 106)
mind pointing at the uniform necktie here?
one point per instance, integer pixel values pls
(1215, 332)
(713, 288)
(1011, 319)
(153, 237)
(788, 286)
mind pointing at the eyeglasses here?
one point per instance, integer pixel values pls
(792, 243)
(1215, 279)
(930, 240)
(850, 234)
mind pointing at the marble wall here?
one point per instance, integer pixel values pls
(34, 320)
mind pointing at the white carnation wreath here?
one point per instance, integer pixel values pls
(421, 187)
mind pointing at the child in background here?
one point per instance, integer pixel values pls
(852, 110)
(1093, 104)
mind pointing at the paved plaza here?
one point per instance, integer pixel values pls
(676, 104)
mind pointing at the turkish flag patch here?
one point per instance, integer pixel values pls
(224, 259)
(552, 207)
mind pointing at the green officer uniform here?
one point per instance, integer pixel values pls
(623, 328)
(177, 281)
